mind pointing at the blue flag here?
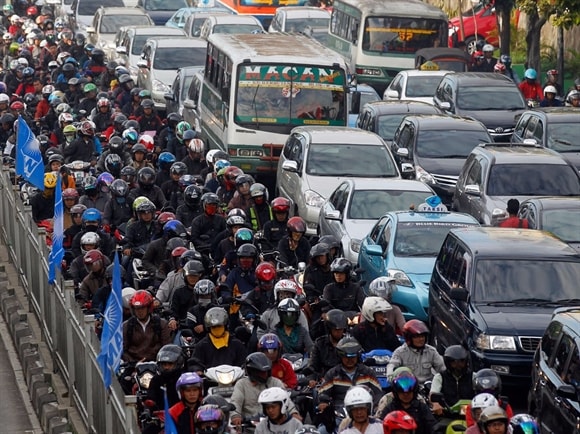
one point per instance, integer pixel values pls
(112, 338)
(170, 427)
(57, 251)
(28, 156)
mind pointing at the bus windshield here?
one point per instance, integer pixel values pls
(289, 95)
(403, 34)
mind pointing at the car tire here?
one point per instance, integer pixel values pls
(470, 43)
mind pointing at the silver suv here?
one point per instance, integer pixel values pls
(495, 173)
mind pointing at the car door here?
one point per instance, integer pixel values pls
(191, 112)
(367, 261)
(402, 141)
(289, 182)
(335, 203)
(463, 200)
(518, 135)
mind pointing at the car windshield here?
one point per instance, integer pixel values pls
(89, 7)
(164, 5)
(169, 58)
(422, 86)
(299, 24)
(503, 280)
(436, 143)
(563, 137)
(564, 223)
(474, 10)
(372, 204)
(352, 160)
(111, 23)
(235, 28)
(423, 238)
(547, 180)
(490, 98)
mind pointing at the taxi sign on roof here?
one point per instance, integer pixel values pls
(432, 204)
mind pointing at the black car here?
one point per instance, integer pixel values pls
(491, 98)
(383, 117)
(437, 146)
(493, 290)
(556, 128)
(553, 397)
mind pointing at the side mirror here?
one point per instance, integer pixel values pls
(458, 294)
(567, 391)
(445, 105)
(472, 190)
(189, 104)
(355, 104)
(121, 49)
(169, 96)
(90, 29)
(290, 166)
(142, 64)
(403, 152)
(333, 215)
(373, 250)
(391, 94)
(437, 397)
(407, 170)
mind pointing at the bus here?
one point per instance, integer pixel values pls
(379, 38)
(264, 10)
(256, 88)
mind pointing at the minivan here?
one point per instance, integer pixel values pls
(493, 290)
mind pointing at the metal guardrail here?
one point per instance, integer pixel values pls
(65, 329)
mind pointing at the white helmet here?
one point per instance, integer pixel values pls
(487, 48)
(14, 19)
(4, 98)
(285, 285)
(383, 287)
(22, 61)
(356, 397)
(127, 294)
(550, 89)
(372, 305)
(91, 238)
(482, 401)
(210, 154)
(197, 146)
(273, 395)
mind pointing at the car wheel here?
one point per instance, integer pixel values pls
(470, 43)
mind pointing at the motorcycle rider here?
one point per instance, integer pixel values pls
(118, 209)
(242, 278)
(275, 229)
(170, 362)
(294, 337)
(147, 187)
(262, 296)
(358, 403)
(343, 294)
(42, 202)
(242, 198)
(488, 381)
(284, 288)
(416, 354)
(494, 420)
(478, 404)
(189, 387)
(317, 273)
(294, 247)
(272, 347)
(375, 332)
(184, 298)
(385, 287)
(205, 295)
(260, 211)
(91, 222)
(95, 263)
(190, 208)
(207, 225)
(156, 255)
(275, 405)
(550, 100)
(530, 88)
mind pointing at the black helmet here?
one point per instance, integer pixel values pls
(210, 198)
(454, 353)
(113, 164)
(178, 168)
(146, 177)
(341, 265)
(119, 188)
(130, 172)
(173, 229)
(348, 347)
(487, 381)
(243, 236)
(193, 268)
(190, 255)
(289, 311)
(110, 270)
(119, 121)
(319, 249)
(192, 195)
(247, 251)
(330, 240)
(116, 145)
(170, 354)
(174, 243)
(336, 319)
(173, 119)
(258, 367)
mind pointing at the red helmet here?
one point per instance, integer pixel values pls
(552, 72)
(280, 204)
(398, 420)
(265, 272)
(499, 67)
(296, 224)
(232, 173)
(147, 141)
(92, 257)
(17, 105)
(414, 327)
(164, 217)
(178, 251)
(32, 11)
(142, 298)
(70, 193)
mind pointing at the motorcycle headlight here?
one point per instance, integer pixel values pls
(297, 364)
(424, 176)
(312, 198)
(225, 377)
(495, 342)
(145, 380)
(400, 277)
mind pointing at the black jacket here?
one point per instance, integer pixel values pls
(139, 233)
(42, 207)
(154, 194)
(183, 299)
(454, 388)
(292, 258)
(318, 278)
(79, 149)
(206, 355)
(418, 411)
(348, 298)
(323, 357)
(372, 338)
(204, 229)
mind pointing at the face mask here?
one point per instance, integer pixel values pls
(120, 200)
(204, 301)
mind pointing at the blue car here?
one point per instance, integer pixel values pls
(404, 245)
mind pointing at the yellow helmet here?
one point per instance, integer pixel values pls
(429, 66)
(50, 180)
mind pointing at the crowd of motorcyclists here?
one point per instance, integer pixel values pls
(209, 259)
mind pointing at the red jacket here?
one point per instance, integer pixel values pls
(514, 222)
(531, 91)
(282, 369)
(183, 418)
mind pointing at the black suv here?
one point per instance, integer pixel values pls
(436, 147)
(554, 396)
(494, 173)
(556, 128)
(491, 98)
(493, 290)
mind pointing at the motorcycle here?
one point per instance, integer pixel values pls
(378, 360)
(79, 170)
(453, 420)
(225, 376)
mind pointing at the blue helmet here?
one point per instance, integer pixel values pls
(166, 159)
(105, 179)
(531, 74)
(91, 215)
(174, 228)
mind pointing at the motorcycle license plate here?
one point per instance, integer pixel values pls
(223, 391)
(380, 370)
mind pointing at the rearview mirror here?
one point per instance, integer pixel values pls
(407, 170)
(437, 397)
(472, 190)
(333, 215)
(445, 105)
(290, 166)
(403, 152)
(90, 29)
(391, 94)
(189, 104)
(121, 49)
(142, 64)
(567, 391)
(373, 250)
(458, 294)
(169, 96)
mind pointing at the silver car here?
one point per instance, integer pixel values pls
(353, 208)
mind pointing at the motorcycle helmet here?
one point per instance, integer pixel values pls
(178, 168)
(181, 128)
(91, 215)
(372, 305)
(530, 74)
(221, 165)
(244, 179)
(78, 210)
(56, 157)
(147, 141)
(146, 178)
(173, 119)
(216, 317)
(348, 347)
(480, 402)
(174, 229)
(405, 381)
(357, 397)
(487, 48)
(93, 258)
(209, 202)
(550, 89)
(171, 354)
(142, 298)
(285, 285)
(193, 268)
(192, 195)
(275, 395)
(173, 244)
(398, 420)
(147, 103)
(259, 193)
(87, 128)
(204, 287)
(258, 367)
(165, 160)
(289, 311)
(209, 413)
(336, 319)
(131, 136)
(506, 60)
(188, 379)
(296, 224)
(265, 275)
(187, 180)
(109, 271)
(524, 424)
(119, 120)
(455, 353)
(231, 173)
(104, 181)
(270, 343)
(487, 380)
(113, 164)
(499, 67)
(341, 265)
(235, 220)
(383, 287)
(70, 193)
(144, 206)
(126, 295)
(247, 256)
(50, 180)
(414, 328)
(492, 414)
(90, 241)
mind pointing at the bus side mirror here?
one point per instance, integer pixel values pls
(225, 94)
(355, 105)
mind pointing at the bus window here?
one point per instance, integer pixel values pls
(403, 35)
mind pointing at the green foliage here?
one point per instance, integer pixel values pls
(563, 13)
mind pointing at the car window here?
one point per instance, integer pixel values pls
(493, 98)
(550, 338)
(164, 5)
(563, 353)
(338, 197)
(193, 92)
(532, 218)
(520, 127)
(436, 144)
(377, 229)
(572, 375)
(110, 23)
(474, 175)
(539, 131)
(89, 7)
(385, 237)
(173, 58)
(403, 137)
(292, 148)
(371, 204)
(530, 127)
(422, 86)
(445, 257)
(396, 84)
(459, 267)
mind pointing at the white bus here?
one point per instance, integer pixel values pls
(257, 87)
(379, 38)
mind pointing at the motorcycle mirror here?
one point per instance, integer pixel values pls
(149, 403)
(437, 397)
(458, 428)
(370, 361)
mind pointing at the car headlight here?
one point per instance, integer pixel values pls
(424, 176)
(159, 86)
(355, 245)
(312, 198)
(400, 277)
(495, 342)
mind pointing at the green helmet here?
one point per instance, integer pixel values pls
(69, 129)
(7, 8)
(89, 87)
(139, 201)
(181, 128)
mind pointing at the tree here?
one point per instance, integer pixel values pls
(503, 9)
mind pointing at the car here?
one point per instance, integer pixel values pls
(230, 24)
(553, 398)
(160, 60)
(161, 10)
(435, 147)
(107, 22)
(192, 102)
(449, 59)
(316, 159)
(556, 128)
(83, 12)
(384, 117)
(179, 18)
(479, 22)
(131, 39)
(364, 95)
(558, 215)
(414, 85)
(491, 98)
(354, 207)
(403, 245)
(494, 173)
(493, 291)
(195, 21)
(299, 19)
(180, 88)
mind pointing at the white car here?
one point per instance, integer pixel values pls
(315, 160)
(230, 24)
(414, 85)
(160, 60)
(353, 208)
(299, 18)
